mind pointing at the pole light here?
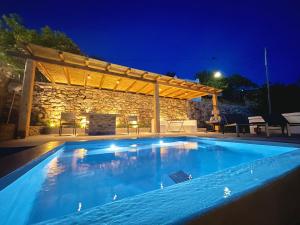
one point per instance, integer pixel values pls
(268, 83)
(217, 74)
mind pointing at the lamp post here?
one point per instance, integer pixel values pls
(268, 84)
(217, 74)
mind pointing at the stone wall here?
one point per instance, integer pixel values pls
(201, 111)
(49, 101)
(102, 124)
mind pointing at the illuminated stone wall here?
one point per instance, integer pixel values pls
(49, 101)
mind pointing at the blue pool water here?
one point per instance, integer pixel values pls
(87, 174)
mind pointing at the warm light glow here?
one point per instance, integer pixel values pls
(83, 122)
(89, 77)
(217, 74)
(80, 153)
(54, 168)
(52, 124)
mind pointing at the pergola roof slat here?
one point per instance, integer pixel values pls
(72, 69)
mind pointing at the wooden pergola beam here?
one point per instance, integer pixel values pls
(166, 90)
(171, 93)
(101, 81)
(128, 71)
(66, 72)
(67, 75)
(142, 88)
(85, 79)
(149, 92)
(130, 86)
(176, 95)
(190, 95)
(47, 74)
(117, 84)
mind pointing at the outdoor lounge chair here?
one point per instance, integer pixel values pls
(257, 122)
(132, 122)
(293, 119)
(237, 121)
(67, 120)
(269, 122)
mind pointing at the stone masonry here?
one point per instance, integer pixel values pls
(50, 100)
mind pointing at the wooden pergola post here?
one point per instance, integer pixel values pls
(156, 111)
(26, 99)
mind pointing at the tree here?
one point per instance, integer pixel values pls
(234, 86)
(12, 32)
(207, 78)
(237, 88)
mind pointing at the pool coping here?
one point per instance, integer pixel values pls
(15, 165)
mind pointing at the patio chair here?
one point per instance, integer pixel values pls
(132, 122)
(237, 121)
(293, 119)
(67, 120)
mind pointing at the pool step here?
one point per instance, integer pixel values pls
(179, 176)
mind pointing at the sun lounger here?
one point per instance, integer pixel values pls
(257, 122)
(293, 119)
(237, 121)
(270, 122)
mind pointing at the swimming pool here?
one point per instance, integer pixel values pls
(82, 175)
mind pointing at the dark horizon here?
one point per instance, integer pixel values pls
(182, 38)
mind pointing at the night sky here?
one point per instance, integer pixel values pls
(178, 36)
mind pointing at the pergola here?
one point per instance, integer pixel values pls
(71, 69)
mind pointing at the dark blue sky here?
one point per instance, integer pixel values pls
(181, 36)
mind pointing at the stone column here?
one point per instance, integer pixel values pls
(26, 99)
(215, 109)
(156, 107)
(215, 105)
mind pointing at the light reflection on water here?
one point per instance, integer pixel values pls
(92, 175)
